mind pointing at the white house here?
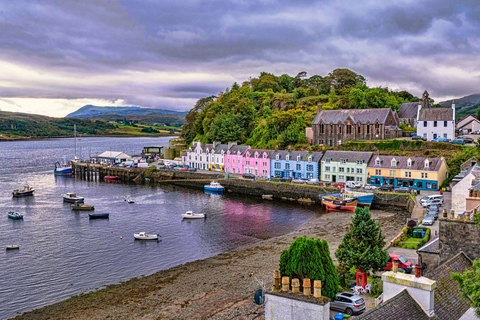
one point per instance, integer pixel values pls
(468, 124)
(216, 155)
(197, 155)
(113, 157)
(435, 122)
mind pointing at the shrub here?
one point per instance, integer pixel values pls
(411, 223)
(377, 287)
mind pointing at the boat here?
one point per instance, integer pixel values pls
(267, 196)
(340, 200)
(15, 215)
(63, 169)
(72, 197)
(214, 186)
(82, 207)
(191, 215)
(12, 247)
(338, 207)
(365, 199)
(27, 191)
(98, 215)
(145, 236)
(110, 178)
(129, 200)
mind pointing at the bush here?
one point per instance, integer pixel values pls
(377, 287)
(411, 223)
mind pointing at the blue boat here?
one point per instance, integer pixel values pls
(98, 215)
(63, 169)
(365, 199)
(214, 187)
(15, 215)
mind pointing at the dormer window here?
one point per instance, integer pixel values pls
(264, 156)
(409, 162)
(309, 158)
(394, 162)
(377, 161)
(298, 158)
(427, 163)
(287, 157)
(256, 155)
(277, 157)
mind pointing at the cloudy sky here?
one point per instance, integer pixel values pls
(56, 56)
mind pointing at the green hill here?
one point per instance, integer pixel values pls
(464, 106)
(272, 111)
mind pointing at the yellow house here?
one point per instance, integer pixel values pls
(413, 172)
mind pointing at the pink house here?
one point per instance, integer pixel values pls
(257, 162)
(234, 159)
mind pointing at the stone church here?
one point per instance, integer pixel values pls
(333, 127)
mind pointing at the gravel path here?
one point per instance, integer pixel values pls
(220, 287)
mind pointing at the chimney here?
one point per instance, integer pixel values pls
(317, 288)
(285, 284)
(307, 287)
(215, 144)
(445, 213)
(295, 285)
(319, 107)
(420, 288)
(418, 271)
(276, 281)
(395, 266)
(231, 144)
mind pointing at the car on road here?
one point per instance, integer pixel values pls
(402, 263)
(185, 169)
(403, 190)
(369, 187)
(466, 139)
(285, 179)
(386, 187)
(419, 138)
(440, 139)
(248, 176)
(339, 184)
(313, 181)
(192, 169)
(432, 213)
(434, 207)
(348, 303)
(431, 197)
(431, 202)
(353, 185)
(458, 141)
(299, 181)
(428, 220)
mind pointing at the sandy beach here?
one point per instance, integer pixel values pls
(220, 287)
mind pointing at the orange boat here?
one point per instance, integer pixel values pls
(338, 207)
(334, 203)
(111, 178)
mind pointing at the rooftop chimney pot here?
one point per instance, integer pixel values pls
(307, 287)
(317, 288)
(295, 285)
(285, 284)
(418, 271)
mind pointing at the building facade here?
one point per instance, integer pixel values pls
(217, 156)
(295, 164)
(407, 113)
(434, 123)
(343, 166)
(333, 127)
(257, 162)
(468, 124)
(414, 172)
(197, 155)
(235, 159)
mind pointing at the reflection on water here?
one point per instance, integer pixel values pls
(63, 252)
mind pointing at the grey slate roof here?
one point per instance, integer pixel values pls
(316, 156)
(241, 148)
(262, 151)
(431, 246)
(220, 147)
(449, 303)
(417, 163)
(408, 110)
(401, 306)
(436, 114)
(349, 155)
(362, 115)
(282, 155)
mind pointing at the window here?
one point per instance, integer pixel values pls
(392, 173)
(287, 157)
(327, 168)
(394, 163)
(309, 167)
(322, 129)
(424, 123)
(309, 158)
(320, 141)
(343, 161)
(426, 163)
(339, 129)
(359, 171)
(334, 169)
(408, 174)
(359, 162)
(277, 165)
(377, 128)
(341, 178)
(434, 123)
(349, 129)
(445, 135)
(445, 124)
(256, 155)
(348, 170)
(264, 164)
(377, 162)
(327, 160)
(309, 175)
(233, 170)
(331, 128)
(277, 157)
(424, 175)
(368, 129)
(298, 158)
(327, 177)
(299, 166)
(287, 166)
(278, 174)
(378, 172)
(341, 169)
(419, 184)
(247, 163)
(359, 129)
(264, 171)
(233, 160)
(359, 179)
(409, 163)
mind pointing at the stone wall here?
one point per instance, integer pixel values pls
(458, 235)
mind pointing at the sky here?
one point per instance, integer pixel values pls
(57, 56)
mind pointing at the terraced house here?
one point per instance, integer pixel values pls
(413, 172)
(235, 159)
(216, 155)
(342, 166)
(197, 155)
(257, 162)
(295, 164)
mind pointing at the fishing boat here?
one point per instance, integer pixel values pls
(214, 186)
(365, 199)
(338, 207)
(191, 215)
(145, 236)
(82, 207)
(72, 197)
(129, 200)
(111, 178)
(27, 191)
(12, 247)
(15, 215)
(63, 169)
(98, 215)
(339, 203)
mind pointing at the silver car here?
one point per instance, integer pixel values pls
(348, 303)
(428, 220)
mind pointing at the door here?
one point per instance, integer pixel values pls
(434, 136)
(334, 178)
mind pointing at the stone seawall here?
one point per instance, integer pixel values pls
(456, 236)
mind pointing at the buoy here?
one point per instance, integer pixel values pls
(121, 238)
(112, 231)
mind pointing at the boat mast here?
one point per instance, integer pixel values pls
(75, 137)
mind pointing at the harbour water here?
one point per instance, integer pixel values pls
(63, 253)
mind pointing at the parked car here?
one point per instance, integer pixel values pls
(313, 181)
(434, 207)
(248, 176)
(432, 213)
(431, 197)
(185, 169)
(428, 220)
(348, 303)
(285, 179)
(458, 141)
(419, 138)
(162, 167)
(177, 168)
(430, 202)
(466, 139)
(475, 132)
(369, 187)
(403, 190)
(339, 184)
(353, 185)
(402, 263)
(386, 187)
(192, 169)
(300, 181)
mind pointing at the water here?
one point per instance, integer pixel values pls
(63, 253)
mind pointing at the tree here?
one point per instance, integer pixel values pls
(310, 258)
(469, 281)
(343, 78)
(478, 112)
(363, 243)
(357, 99)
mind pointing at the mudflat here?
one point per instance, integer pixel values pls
(220, 287)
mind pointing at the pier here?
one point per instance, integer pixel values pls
(94, 171)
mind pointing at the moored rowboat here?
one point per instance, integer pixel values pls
(98, 215)
(12, 247)
(145, 236)
(191, 215)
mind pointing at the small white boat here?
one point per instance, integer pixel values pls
(267, 196)
(129, 201)
(12, 247)
(72, 197)
(191, 215)
(214, 186)
(145, 236)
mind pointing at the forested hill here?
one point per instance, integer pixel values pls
(272, 111)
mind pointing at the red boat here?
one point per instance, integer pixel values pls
(338, 207)
(111, 178)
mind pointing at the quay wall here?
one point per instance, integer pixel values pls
(458, 235)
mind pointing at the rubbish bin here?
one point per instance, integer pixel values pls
(338, 316)
(418, 191)
(423, 234)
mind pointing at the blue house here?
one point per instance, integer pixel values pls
(295, 164)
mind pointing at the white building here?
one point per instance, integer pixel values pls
(468, 124)
(113, 157)
(197, 155)
(433, 123)
(216, 155)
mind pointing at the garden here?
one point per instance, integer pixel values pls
(413, 237)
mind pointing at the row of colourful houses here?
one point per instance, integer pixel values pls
(330, 166)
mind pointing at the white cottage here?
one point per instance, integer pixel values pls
(197, 155)
(433, 123)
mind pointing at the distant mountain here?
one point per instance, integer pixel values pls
(90, 111)
(464, 106)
